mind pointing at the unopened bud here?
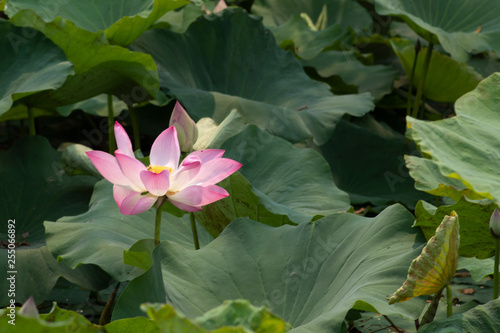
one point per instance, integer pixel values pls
(220, 6)
(495, 224)
(185, 126)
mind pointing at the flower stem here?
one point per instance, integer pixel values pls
(106, 313)
(430, 314)
(158, 220)
(412, 75)
(496, 277)
(135, 127)
(195, 232)
(449, 301)
(421, 84)
(111, 121)
(31, 121)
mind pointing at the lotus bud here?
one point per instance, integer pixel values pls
(495, 224)
(29, 308)
(220, 6)
(185, 126)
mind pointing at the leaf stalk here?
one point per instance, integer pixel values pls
(421, 84)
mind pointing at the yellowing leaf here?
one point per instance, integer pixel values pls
(434, 268)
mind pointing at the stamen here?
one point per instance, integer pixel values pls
(159, 168)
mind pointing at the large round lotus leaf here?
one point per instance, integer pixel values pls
(230, 61)
(34, 189)
(100, 235)
(28, 65)
(241, 202)
(345, 13)
(99, 67)
(378, 175)
(461, 26)
(280, 183)
(310, 275)
(288, 180)
(122, 21)
(467, 147)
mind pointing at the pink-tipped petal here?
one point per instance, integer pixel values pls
(156, 183)
(165, 150)
(188, 170)
(213, 193)
(215, 170)
(199, 195)
(206, 155)
(131, 202)
(220, 6)
(132, 168)
(185, 207)
(108, 167)
(123, 141)
(190, 160)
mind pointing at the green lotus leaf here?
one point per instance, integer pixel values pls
(35, 188)
(466, 147)
(288, 181)
(28, 65)
(237, 316)
(478, 268)
(232, 317)
(241, 202)
(99, 67)
(122, 21)
(230, 61)
(57, 320)
(97, 106)
(429, 179)
(169, 320)
(344, 13)
(75, 161)
(377, 175)
(242, 313)
(213, 135)
(139, 324)
(377, 80)
(433, 270)
(482, 318)
(461, 27)
(446, 79)
(272, 197)
(63, 321)
(180, 20)
(20, 111)
(475, 236)
(100, 235)
(303, 274)
(306, 43)
(486, 64)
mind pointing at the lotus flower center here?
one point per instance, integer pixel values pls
(159, 168)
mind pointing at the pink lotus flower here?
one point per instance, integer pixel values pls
(189, 186)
